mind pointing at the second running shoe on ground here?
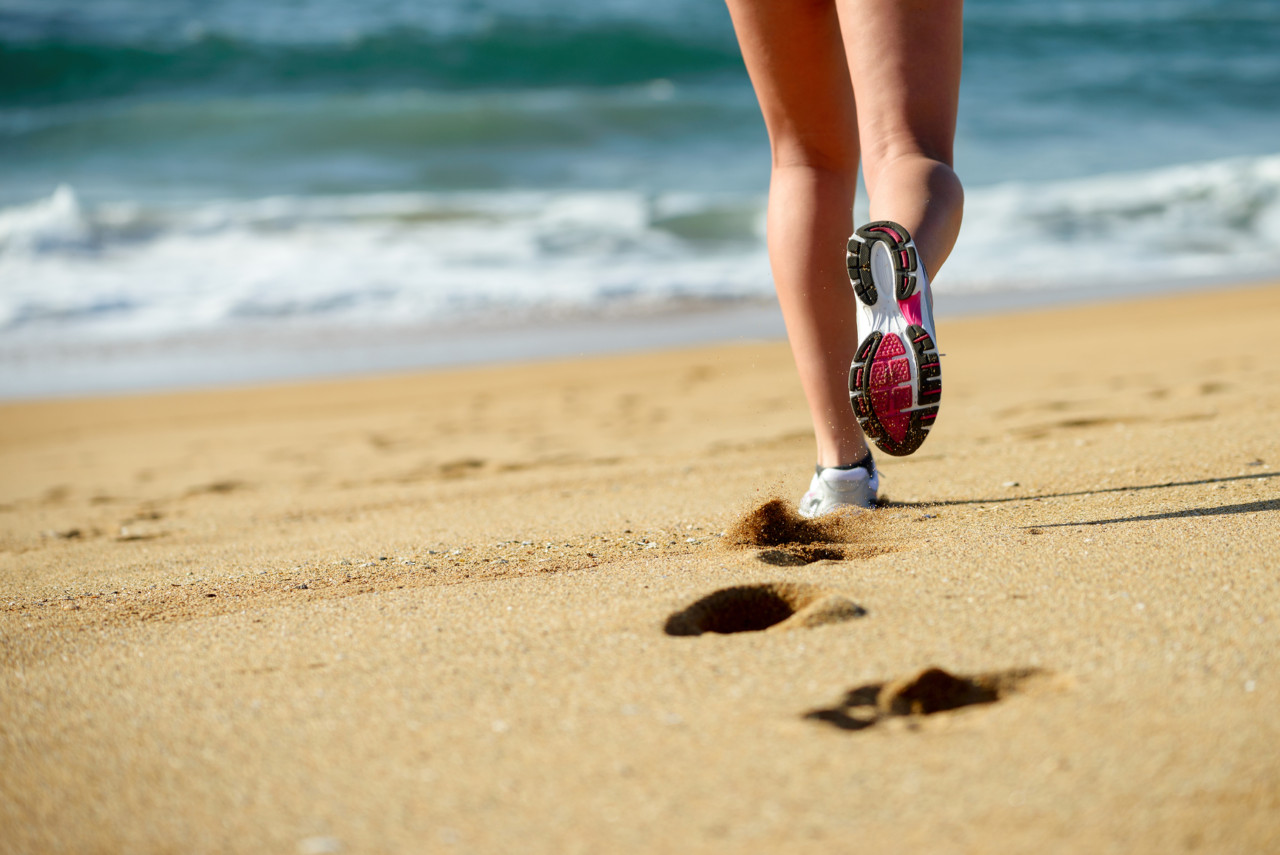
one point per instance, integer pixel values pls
(834, 489)
(895, 382)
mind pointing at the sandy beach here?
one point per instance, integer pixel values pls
(466, 610)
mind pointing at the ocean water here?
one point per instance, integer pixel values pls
(210, 170)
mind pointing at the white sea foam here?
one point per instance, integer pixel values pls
(129, 271)
(126, 271)
(44, 226)
(1217, 220)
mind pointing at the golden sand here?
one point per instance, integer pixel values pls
(426, 612)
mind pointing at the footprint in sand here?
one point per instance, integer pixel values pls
(790, 540)
(929, 692)
(751, 608)
(798, 556)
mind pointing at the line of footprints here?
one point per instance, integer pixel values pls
(782, 606)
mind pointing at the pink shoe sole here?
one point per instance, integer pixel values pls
(895, 381)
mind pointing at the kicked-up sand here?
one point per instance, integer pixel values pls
(550, 608)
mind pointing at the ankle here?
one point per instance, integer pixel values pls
(844, 457)
(866, 462)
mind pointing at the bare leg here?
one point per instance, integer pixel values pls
(796, 61)
(903, 60)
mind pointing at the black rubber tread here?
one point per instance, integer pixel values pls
(904, 276)
(930, 366)
(860, 388)
(858, 260)
(908, 280)
(929, 384)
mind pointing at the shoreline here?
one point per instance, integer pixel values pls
(280, 353)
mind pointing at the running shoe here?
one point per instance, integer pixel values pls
(895, 381)
(832, 489)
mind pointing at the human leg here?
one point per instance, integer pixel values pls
(904, 62)
(904, 66)
(794, 54)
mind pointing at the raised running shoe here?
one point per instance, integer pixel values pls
(832, 489)
(895, 381)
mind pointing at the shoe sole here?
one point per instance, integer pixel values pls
(895, 381)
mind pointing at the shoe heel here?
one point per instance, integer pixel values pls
(901, 250)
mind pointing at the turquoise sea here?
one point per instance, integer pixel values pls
(223, 170)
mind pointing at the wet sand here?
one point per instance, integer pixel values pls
(497, 609)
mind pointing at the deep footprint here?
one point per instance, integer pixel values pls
(931, 691)
(790, 540)
(752, 608)
(775, 523)
(797, 556)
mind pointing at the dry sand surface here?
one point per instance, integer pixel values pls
(469, 611)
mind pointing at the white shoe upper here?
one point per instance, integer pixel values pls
(832, 489)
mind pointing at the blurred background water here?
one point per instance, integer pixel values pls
(180, 170)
